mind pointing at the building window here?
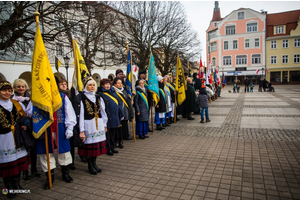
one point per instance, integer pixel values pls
(256, 42)
(225, 45)
(294, 76)
(227, 60)
(273, 44)
(297, 42)
(235, 44)
(213, 62)
(241, 15)
(213, 46)
(241, 60)
(273, 59)
(279, 29)
(59, 49)
(297, 58)
(252, 27)
(230, 30)
(256, 58)
(285, 59)
(285, 43)
(275, 76)
(247, 43)
(212, 34)
(215, 24)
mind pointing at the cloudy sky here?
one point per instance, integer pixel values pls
(199, 13)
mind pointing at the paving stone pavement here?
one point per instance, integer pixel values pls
(223, 159)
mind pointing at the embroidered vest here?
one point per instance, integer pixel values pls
(8, 119)
(91, 109)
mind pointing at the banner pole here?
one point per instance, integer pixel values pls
(175, 114)
(48, 159)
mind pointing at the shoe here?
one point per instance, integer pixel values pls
(202, 121)
(121, 146)
(190, 117)
(65, 174)
(46, 186)
(141, 137)
(83, 158)
(207, 120)
(114, 151)
(161, 125)
(129, 138)
(110, 153)
(149, 129)
(72, 166)
(91, 168)
(16, 182)
(8, 183)
(146, 136)
(158, 127)
(166, 124)
(25, 175)
(95, 165)
(35, 172)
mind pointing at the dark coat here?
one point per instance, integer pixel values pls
(197, 83)
(22, 137)
(162, 107)
(265, 83)
(128, 112)
(190, 104)
(260, 83)
(75, 139)
(203, 99)
(247, 82)
(141, 107)
(172, 93)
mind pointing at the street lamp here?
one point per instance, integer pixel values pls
(67, 59)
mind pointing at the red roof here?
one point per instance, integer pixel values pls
(283, 18)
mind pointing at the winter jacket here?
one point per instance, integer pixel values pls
(162, 102)
(141, 106)
(203, 99)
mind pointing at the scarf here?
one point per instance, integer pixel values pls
(66, 92)
(20, 98)
(142, 88)
(118, 90)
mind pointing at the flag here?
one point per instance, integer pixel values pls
(257, 71)
(216, 76)
(201, 70)
(208, 74)
(128, 81)
(80, 71)
(223, 80)
(45, 96)
(57, 63)
(267, 70)
(180, 83)
(152, 80)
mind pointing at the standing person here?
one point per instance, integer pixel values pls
(22, 95)
(161, 107)
(92, 125)
(167, 92)
(238, 86)
(191, 104)
(141, 110)
(260, 85)
(58, 135)
(234, 87)
(171, 87)
(114, 112)
(178, 108)
(251, 87)
(203, 102)
(247, 84)
(13, 159)
(127, 108)
(196, 82)
(265, 83)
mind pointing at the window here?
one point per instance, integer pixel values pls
(225, 45)
(213, 46)
(297, 58)
(213, 61)
(59, 49)
(256, 42)
(241, 60)
(273, 44)
(297, 42)
(285, 59)
(294, 76)
(241, 15)
(230, 30)
(273, 59)
(212, 34)
(227, 60)
(215, 24)
(247, 43)
(256, 59)
(275, 76)
(285, 43)
(279, 29)
(235, 44)
(252, 27)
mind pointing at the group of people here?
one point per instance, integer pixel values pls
(263, 85)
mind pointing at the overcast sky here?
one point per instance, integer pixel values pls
(199, 13)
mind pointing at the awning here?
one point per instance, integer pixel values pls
(244, 73)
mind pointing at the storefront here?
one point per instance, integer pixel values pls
(278, 76)
(241, 75)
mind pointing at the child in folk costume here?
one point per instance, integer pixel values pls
(13, 159)
(168, 100)
(58, 135)
(92, 125)
(161, 106)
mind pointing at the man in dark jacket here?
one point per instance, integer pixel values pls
(247, 84)
(196, 82)
(190, 104)
(260, 85)
(161, 106)
(265, 83)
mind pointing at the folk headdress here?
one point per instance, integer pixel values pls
(5, 85)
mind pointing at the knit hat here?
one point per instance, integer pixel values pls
(159, 77)
(119, 71)
(203, 86)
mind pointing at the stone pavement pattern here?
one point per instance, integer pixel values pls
(249, 150)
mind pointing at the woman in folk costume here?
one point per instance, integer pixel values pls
(127, 108)
(13, 159)
(92, 125)
(171, 87)
(114, 113)
(161, 106)
(58, 135)
(168, 100)
(141, 110)
(22, 95)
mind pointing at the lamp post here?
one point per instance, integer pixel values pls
(262, 70)
(67, 59)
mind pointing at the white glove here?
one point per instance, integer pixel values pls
(68, 133)
(122, 118)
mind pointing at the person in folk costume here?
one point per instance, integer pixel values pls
(184, 105)
(58, 135)
(168, 100)
(114, 112)
(13, 159)
(22, 95)
(161, 106)
(178, 108)
(127, 108)
(143, 75)
(171, 87)
(191, 104)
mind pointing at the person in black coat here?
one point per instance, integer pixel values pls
(161, 106)
(260, 85)
(196, 82)
(190, 101)
(265, 83)
(247, 84)
(141, 110)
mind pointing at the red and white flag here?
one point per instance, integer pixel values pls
(257, 71)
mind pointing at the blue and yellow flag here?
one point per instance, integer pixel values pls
(128, 81)
(152, 80)
(45, 96)
(180, 83)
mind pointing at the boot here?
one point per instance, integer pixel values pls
(33, 159)
(121, 146)
(141, 137)
(8, 185)
(158, 127)
(168, 121)
(94, 164)
(202, 121)
(92, 170)
(46, 186)
(72, 166)
(177, 119)
(149, 129)
(114, 151)
(145, 136)
(171, 120)
(161, 125)
(16, 182)
(109, 152)
(25, 175)
(65, 174)
(207, 120)
(190, 117)
(83, 158)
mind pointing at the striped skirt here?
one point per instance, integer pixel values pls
(15, 167)
(92, 150)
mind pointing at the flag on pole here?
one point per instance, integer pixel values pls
(128, 81)
(57, 63)
(201, 71)
(180, 83)
(152, 80)
(223, 80)
(257, 71)
(45, 96)
(208, 74)
(218, 76)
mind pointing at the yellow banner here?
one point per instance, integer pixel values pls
(180, 83)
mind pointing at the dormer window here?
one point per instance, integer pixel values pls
(279, 30)
(241, 15)
(215, 24)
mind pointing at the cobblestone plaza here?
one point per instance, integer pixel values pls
(249, 150)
